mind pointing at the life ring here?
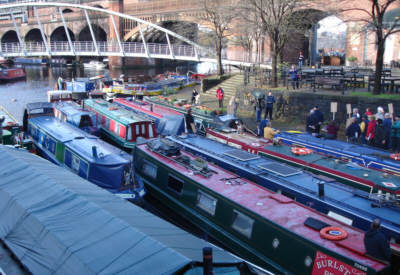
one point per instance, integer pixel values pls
(333, 233)
(395, 156)
(301, 151)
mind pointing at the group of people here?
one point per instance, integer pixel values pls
(380, 130)
(266, 104)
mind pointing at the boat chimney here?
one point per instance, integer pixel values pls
(151, 107)
(207, 261)
(321, 188)
(94, 151)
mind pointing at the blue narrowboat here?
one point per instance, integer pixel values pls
(72, 113)
(84, 154)
(119, 125)
(362, 154)
(168, 122)
(346, 204)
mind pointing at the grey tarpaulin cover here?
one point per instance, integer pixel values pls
(58, 223)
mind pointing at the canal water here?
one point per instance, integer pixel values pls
(40, 79)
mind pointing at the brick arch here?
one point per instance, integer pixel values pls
(95, 27)
(10, 36)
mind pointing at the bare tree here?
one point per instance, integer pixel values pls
(278, 22)
(372, 16)
(218, 15)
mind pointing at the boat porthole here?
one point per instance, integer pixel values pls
(308, 261)
(275, 243)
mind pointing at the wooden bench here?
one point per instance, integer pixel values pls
(333, 82)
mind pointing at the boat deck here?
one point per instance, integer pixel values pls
(365, 155)
(157, 110)
(336, 194)
(275, 208)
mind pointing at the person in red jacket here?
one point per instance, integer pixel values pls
(371, 129)
(220, 96)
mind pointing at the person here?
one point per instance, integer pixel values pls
(194, 95)
(269, 105)
(363, 128)
(301, 59)
(60, 83)
(376, 243)
(320, 119)
(311, 122)
(260, 128)
(356, 115)
(380, 114)
(353, 132)
(220, 96)
(371, 130)
(269, 132)
(294, 77)
(387, 123)
(239, 127)
(380, 134)
(2, 119)
(190, 127)
(368, 112)
(258, 108)
(332, 129)
(395, 134)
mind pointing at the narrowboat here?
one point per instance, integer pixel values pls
(119, 125)
(72, 113)
(326, 195)
(31, 60)
(59, 95)
(203, 116)
(11, 74)
(168, 122)
(259, 225)
(84, 154)
(55, 222)
(341, 169)
(80, 88)
(362, 154)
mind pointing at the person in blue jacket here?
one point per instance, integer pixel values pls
(294, 77)
(375, 242)
(269, 105)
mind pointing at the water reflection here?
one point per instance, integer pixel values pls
(40, 79)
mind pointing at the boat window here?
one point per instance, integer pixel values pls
(149, 169)
(143, 129)
(116, 128)
(85, 121)
(107, 126)
(242, 223)
(151, 134)
(175, 184)
(137, 130)
(129, 133)
(206, 202)
(78, 165)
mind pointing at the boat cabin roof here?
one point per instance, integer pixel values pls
(87, 229)
(268, 170)
(80, 141)
(158, 110)
(273, 207)
(114, 111)
(71, 109)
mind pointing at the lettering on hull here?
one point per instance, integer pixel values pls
(326, 265)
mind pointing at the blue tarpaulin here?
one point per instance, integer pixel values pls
(58, 223)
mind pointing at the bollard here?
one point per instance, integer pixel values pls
(321, 189)
(207, 261)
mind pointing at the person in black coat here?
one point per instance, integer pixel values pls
(320, 119)
(353, 132)
(375, 242)
(311, 122)
(381, 135)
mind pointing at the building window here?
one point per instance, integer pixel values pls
(206, 202)
(175, 184)
(242, 223)
(149, 169)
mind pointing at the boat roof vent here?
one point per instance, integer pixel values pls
(315, 224)
(241, 155)
(164, 147)
(279, 169)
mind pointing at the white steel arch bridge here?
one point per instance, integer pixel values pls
(189, 52)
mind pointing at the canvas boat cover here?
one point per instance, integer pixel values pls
(58, 223)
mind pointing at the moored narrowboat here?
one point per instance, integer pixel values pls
(74, 114)
(342, 169)
(261, 226)
(361, 154)
(84, 154)
(119, 125)
(167, 121)
(348, 205)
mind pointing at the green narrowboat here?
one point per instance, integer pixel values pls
(263, 227)
(119, 125)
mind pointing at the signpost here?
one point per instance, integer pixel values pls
(334, 109)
